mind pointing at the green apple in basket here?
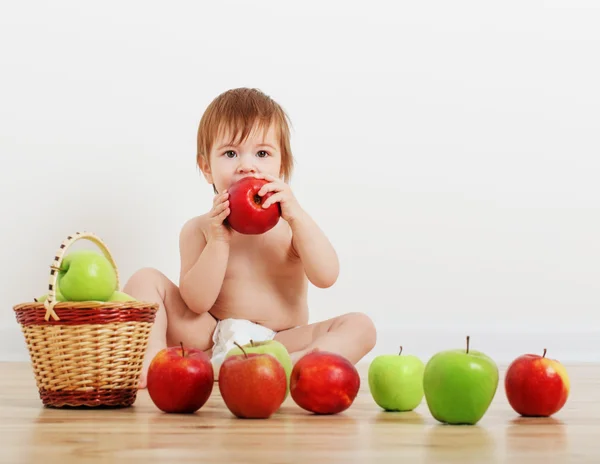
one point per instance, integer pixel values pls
(86, 275)
(121, 296)
(59, 297)
(116, 296)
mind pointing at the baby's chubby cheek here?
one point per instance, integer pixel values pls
(222, 184)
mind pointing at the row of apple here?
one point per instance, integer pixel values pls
(255, 379)
(460, 384)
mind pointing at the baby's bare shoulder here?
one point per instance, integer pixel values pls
(194, 228)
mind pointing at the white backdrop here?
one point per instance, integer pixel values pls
(450, 150)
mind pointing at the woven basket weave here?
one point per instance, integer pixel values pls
(86, 353)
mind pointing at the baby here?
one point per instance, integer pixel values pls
(235, 287)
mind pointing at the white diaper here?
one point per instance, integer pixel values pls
(241, 331)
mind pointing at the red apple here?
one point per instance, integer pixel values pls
(253, 385)
(536, 386)
(324, 383)
(180, 381)
(247, 215)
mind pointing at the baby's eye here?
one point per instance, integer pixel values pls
(262, 154)
(229, 153)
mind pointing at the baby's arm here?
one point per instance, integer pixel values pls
(310, 243)
(314, 249)
(203, 266)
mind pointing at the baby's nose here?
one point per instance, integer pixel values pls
(246, 166)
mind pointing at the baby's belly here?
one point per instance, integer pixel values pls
(270, 309)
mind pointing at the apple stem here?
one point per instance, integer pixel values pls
(468, 337)
(400, 350)
(241, 348)
(182, 350)
(544, 355)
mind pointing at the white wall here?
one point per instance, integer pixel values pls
(457, 140)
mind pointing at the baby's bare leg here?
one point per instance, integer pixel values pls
(175, 322)
(351, 335)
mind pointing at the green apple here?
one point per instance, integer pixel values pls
(121, 296)
(460, 385)
(58, 297)
(116, 296)
(272, 347)
(396, 381)
(86, 275)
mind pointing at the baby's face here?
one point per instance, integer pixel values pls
(258, 154)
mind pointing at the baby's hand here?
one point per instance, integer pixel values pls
(290, 208)
(218, 214)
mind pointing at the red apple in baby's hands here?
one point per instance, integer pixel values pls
(180, 381)
(247, 215)
(536, 386)
(253, 385)
(324, 383)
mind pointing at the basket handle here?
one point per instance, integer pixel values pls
(55, 267)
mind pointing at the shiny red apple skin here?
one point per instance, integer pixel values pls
(247, 215)
(180, 381)
(324, 383)
(536, 386)
(253, 385)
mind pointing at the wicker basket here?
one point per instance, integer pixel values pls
(86, 353)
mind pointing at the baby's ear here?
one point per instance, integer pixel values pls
(205, 168)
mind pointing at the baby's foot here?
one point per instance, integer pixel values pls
(151, 352)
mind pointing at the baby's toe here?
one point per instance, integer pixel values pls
(142, 382)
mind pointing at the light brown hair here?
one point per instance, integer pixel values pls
(238, 110)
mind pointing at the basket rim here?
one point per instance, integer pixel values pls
(84, 305)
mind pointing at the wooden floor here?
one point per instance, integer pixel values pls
(30, 433)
